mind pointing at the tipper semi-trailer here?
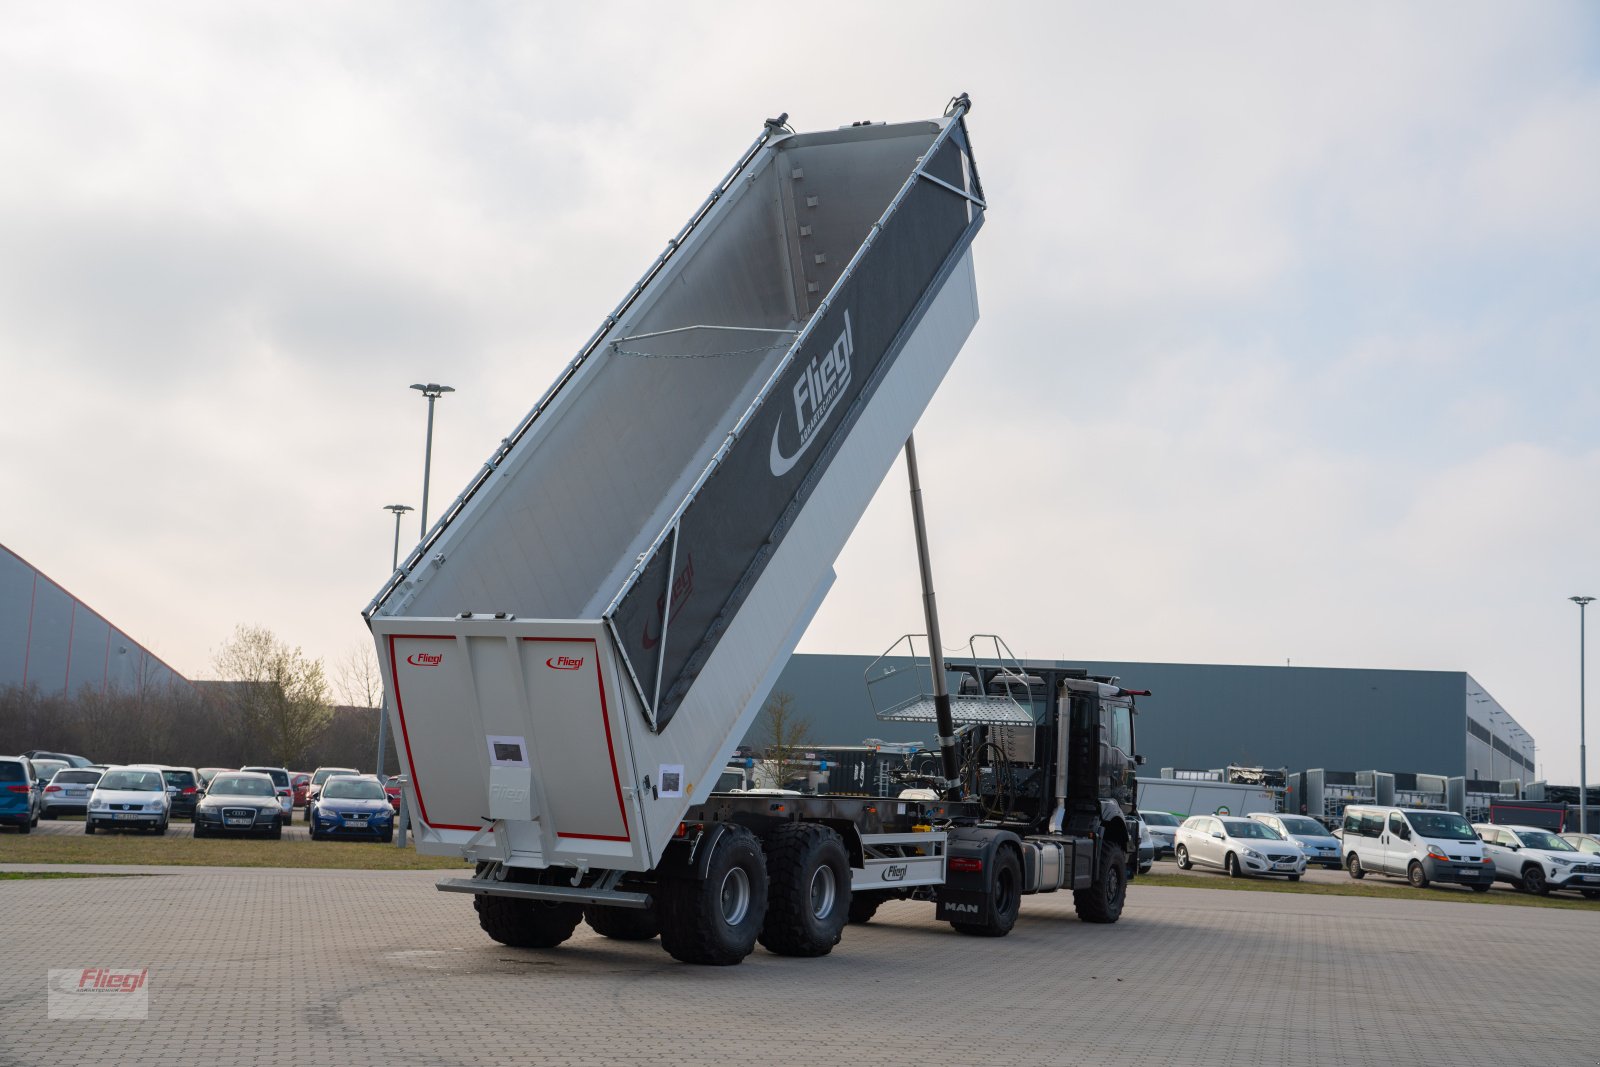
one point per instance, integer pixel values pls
(575, 648)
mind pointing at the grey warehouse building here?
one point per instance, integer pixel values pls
(1212, 715)
(52, 641)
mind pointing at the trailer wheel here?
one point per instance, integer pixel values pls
(623, 924)
(863, 906)
(1102, 902)
(526, 923)
(808, 890)
(715, 920)
(1005, 897)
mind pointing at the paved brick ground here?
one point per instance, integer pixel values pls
(342, 967)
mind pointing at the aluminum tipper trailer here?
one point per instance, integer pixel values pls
(577, 645)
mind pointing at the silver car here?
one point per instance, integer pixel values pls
(1238, 846)
(68, 792)
(1315, 841)
(1163, 830)
(128, 798)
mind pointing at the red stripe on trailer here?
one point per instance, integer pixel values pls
(611, 749)
(400, 710)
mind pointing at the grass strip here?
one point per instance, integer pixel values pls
(185, 851)
(1382, 889)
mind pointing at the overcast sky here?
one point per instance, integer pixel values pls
(1288, 348)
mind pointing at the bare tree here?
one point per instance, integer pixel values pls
(786, 735)
(357, 678)
(280, 696)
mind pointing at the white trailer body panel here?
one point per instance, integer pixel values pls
(670, 512)
(1183, 797)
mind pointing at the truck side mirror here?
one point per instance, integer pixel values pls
(1138, 761)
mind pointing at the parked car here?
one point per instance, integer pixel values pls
(240, 802)
(1163, 827)
(1421, 846)
(19, 793)
(1237, 845)
(208, 773)
(128, 798)
(1538, 861)
(318, 776)
(350, 806)
(68, 792)
(300, 782)
(1586, 843)
(45, 769)
(282, 784)
(391, 786)
(1320, 847)
(1147, 848)
(183, 787)
(65, 757)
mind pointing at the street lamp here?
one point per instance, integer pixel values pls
(399, 510)
(1583, 748)
(433, 391)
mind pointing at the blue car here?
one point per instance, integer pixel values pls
(349, 806)
(21, 794)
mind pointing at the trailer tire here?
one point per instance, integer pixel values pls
(808, 890)
(526, 923)
(863, 906)
(1005, 895)
(714, 921)
(1102, 902)
(623, 924)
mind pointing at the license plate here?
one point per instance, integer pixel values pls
(77, 792)
(1287, 864)
(240, 822)
(126, 815)
(1591, 878)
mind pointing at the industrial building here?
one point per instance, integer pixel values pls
(52, 641)
(1213, 715)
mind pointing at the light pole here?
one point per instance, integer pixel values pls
(433, 391)
(1583, 748)
(399, 510)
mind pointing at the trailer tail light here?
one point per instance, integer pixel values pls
(682, 830)
(966, 864)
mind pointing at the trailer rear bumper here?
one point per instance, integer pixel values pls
(560, 894)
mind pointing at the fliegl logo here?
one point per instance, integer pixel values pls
(816, 393)
(425, 659)
(564, 663)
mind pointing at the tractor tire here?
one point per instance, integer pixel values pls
(714, 921)
(526, 923)
(1102, 902)
(623, 924)
(808, 890)
(1005, 893)
(863, 906)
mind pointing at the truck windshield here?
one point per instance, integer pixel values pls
(1443, 825)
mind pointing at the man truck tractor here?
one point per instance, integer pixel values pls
(576, 646)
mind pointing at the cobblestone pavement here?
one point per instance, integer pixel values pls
(354, 968)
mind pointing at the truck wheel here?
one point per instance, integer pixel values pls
(863, 906)
(623, 924)
(1005, 897)
(1417, 876)
(526, 923)
(808, 890)
(1353, 865)
(1102, 902)
(715, 920)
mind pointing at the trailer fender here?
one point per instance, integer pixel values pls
(964, 896)
(689, 857)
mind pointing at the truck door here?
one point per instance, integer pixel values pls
(1119, 767)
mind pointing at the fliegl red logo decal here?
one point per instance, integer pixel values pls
(564, 663)
(425, 659)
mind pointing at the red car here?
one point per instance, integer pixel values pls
(300, 781)
(392, 788)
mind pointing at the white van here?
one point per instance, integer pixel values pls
(1415, 844)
